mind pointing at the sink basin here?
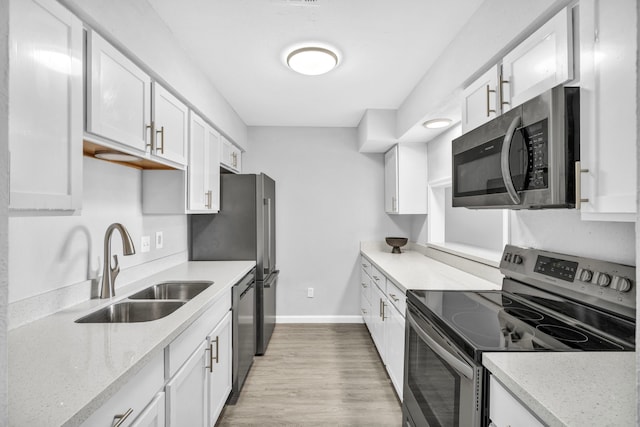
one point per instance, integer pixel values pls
(132, 311)
(172, 291)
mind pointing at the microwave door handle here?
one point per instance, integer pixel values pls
(504, 161)
(461, 367)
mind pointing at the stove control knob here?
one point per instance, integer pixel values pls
(604, 280)
(586, 275)
(622, 284)
(517, 259)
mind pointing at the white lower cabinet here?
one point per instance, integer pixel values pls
(153, 414)
(130, 401)
(383, 305)
(220, 351)
(505, 410)
(187, 391)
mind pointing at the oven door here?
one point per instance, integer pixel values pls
(442, 386)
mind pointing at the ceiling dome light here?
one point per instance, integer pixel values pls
(436, 123)
(312, 60)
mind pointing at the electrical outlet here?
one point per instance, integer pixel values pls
(309, 292)
(159, 240)
(145, 244)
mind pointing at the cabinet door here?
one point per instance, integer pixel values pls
(230, 155)
(394, 347)
(544, 60)
(505, 410)
(377, 322)
(153, 414)
(480, 100)
(221, 357)
(118, 98)
(45, 106)
(186, 392)
(212, 175)
(171, 119)
(391, 180)
(198, 165)
(608, 55)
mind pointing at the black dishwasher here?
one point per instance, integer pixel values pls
(244, 331)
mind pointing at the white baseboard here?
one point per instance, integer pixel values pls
(319, 319)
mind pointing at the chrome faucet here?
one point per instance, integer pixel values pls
(109, 273)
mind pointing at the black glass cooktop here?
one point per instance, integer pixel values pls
(500, 321)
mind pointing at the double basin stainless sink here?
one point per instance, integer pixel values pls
(152, 303)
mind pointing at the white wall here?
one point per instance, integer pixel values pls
(4, 203)
(128, 24)
(51, 252)
(329, 198)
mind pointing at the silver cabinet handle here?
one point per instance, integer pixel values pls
(504, 161)
(380, 308)
(579, 171)
(161, 132)
(502, 82)
(376, 278)
(364, 285)
(383, 310)
(120, 418)
(216, 358)
(209, 199)
(152, 133)
(489, 92)
(393, 297)
(363, 311)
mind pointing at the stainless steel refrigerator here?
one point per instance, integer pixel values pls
(244, 229)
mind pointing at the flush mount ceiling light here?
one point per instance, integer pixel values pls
(436, 123)
(115, 156)
(312, 60)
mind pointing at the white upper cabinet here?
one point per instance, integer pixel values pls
(171, 121)
(230, 156)
(480, 100)
(118, 98)
(406, 179)
(608, 72)
(204, 167)
(543, 61)
(45, 106)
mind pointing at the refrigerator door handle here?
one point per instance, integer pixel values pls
(269, 237)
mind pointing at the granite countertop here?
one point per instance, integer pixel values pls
(414, 270)
(571, 389)
(61, 371)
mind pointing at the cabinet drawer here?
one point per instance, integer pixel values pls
(379, 279)
(365, 286)
(366, 265)
(182, 347)
(397, 297)
(133, 396)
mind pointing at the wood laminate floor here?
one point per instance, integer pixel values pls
(316, 375)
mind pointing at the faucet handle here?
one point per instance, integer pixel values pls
(115, 270)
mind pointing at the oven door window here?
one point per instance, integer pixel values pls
(435, 386)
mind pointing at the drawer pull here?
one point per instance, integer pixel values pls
(364, 285)
(121, 417)
(393, 297)
(376, 278)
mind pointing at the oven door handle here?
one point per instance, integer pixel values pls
(461, 367)
(504, 161)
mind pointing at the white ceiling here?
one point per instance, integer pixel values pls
(386, 47)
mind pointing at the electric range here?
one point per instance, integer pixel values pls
(548, 302)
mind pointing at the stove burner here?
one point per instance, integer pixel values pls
(506, 301)
(563, 333)
(478, 323)
(524, 314)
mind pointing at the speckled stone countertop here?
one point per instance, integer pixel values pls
(61, 371)
(571, 389)
(413, 270)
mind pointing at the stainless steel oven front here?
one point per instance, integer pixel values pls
(442, 385)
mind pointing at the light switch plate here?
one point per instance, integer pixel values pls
(145, 244)
(159, 240)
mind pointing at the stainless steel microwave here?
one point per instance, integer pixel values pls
(523, 159)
